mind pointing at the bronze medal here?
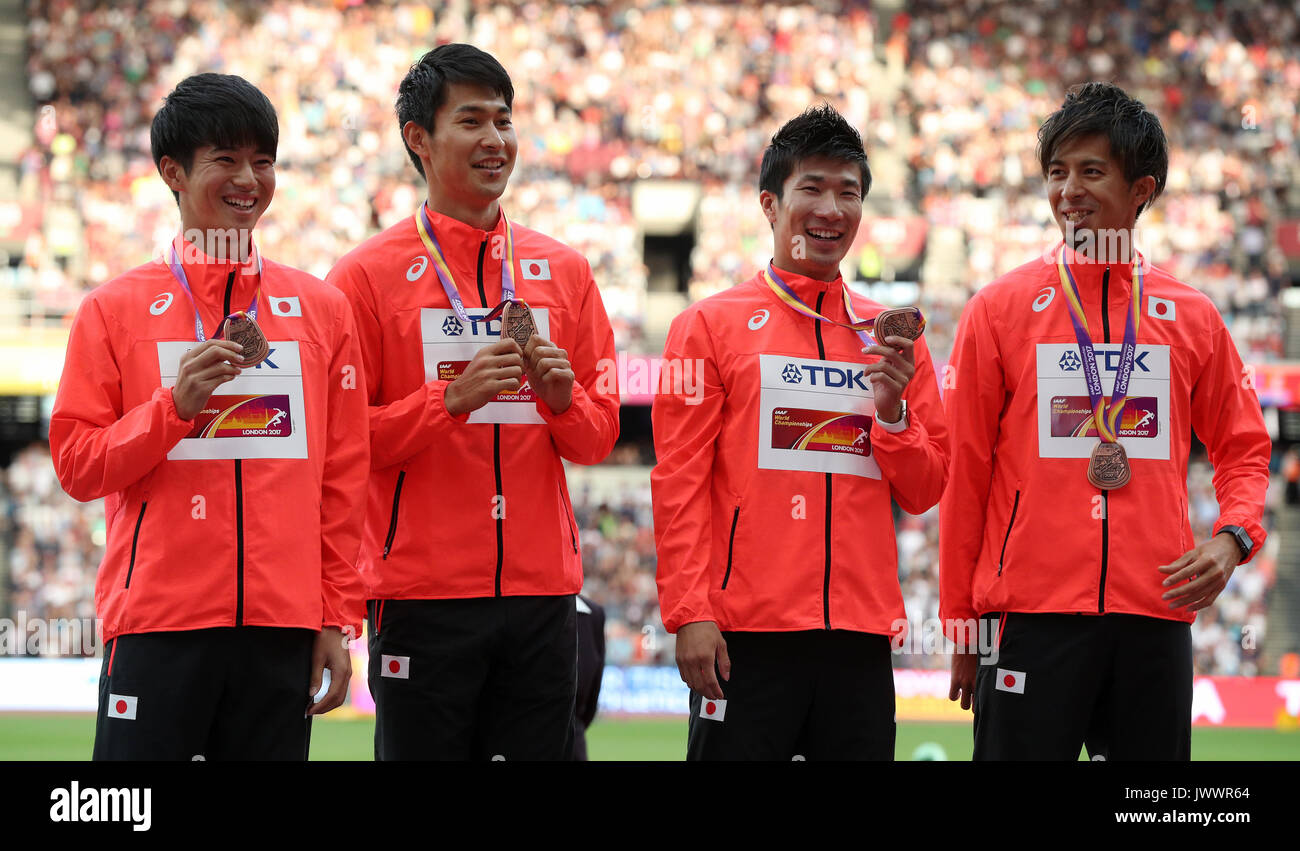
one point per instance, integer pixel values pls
(242, 329)
(901, 322)
(1108, 466)
(517, 322)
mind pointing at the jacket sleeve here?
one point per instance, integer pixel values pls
(973, 400)
(686, 430)
(915, 460)
(585, 433)
(407, 426)
(98, 448)
(343, 482)
(1227, 418)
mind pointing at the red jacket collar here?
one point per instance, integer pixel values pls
(209, 277)
(1088, 274)
(808, 288)
(454, 231)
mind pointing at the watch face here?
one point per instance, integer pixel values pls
(1243, 539)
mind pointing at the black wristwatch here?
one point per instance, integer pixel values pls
(1244, 542)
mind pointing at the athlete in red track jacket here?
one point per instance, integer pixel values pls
(232, 491)
(1093, 588)
(1011, 509)
(435, 475)
(471, 554)
(114, 424)
(777, 565)
(745, 545)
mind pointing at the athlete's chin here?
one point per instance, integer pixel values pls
(243, 221)
(490, 185)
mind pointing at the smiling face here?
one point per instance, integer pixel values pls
(1089, 194)
(817, 216)
(469, 156)
(224, 188)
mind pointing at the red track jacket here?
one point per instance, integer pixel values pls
(464, 507)
(199, 542)
(772, 492)
(1022, 529)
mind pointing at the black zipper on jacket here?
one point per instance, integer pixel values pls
(731, 542)
(1105, 549)
(135, 539)
(1014, 506)
(496, 442)
(826, 577)
(239, 496)
(568, 516)
(482, 293)
(392, 524)
(1105, 304)
(239, 542)
(1105, 496)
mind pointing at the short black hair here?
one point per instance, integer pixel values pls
(1137, 140)
(221, 110)
(819, 131)
(424, 88)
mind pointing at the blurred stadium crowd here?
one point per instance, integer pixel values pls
(949, 97)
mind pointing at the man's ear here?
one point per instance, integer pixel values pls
(417, 139)
(1144, 189)
(173, 174)
(769, 202)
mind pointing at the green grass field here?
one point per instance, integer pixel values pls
(69, 737)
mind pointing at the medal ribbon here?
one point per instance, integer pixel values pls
(434, 250)
(1106, 417)
(858, 326)
(178, 271)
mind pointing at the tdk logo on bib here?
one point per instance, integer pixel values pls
(478, 325)
(1107, 360)
(824, 376)
(1110, 361)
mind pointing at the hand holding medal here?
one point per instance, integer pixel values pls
(216, 361)
(549, 372)
(202, 370)
(494, 369)
(241, 329)
(900, 329)
(890, 375)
